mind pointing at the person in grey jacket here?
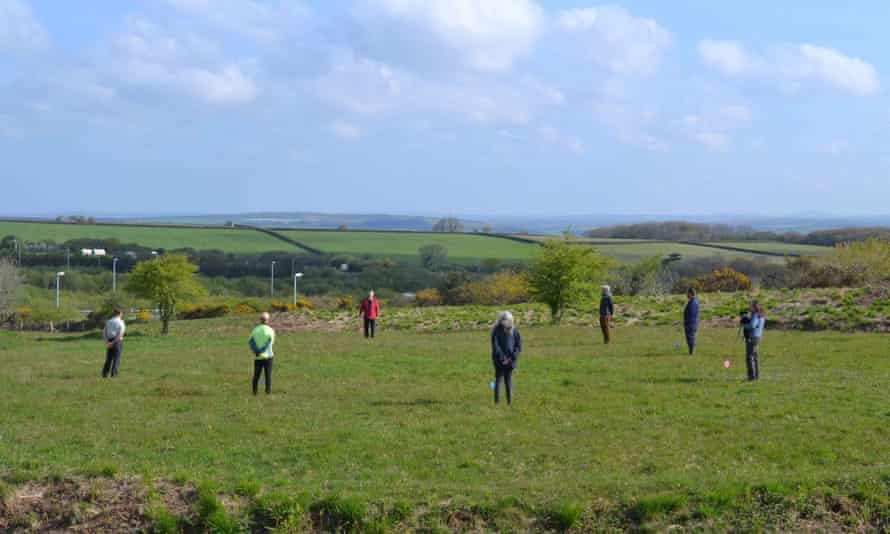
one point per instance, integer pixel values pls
(506, 344)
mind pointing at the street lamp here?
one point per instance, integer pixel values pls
(59, 275)
(114, 275)
(296, 276)
(272, 282)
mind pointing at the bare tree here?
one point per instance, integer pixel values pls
(9, 288)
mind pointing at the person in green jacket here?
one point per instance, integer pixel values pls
(261, 340)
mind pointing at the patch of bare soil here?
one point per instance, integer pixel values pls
(87, 505)
(294, 323)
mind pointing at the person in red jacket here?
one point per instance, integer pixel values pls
(369, 311)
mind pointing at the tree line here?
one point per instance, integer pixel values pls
(701, 232)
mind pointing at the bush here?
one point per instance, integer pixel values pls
(500, 288)
(428, 297)
(203, 311)
(726, 279)
(345, 303)
(243, 308)
(142, 316)
(281, 306)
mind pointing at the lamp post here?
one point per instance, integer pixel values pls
(296, 276)
(114, 275)
(272, 282)
(59, 275)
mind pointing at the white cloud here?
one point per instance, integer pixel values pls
(19, 29)
(489, 35)
(555, 137)
(261, 21)
(616, 39)
(713, 126)
(790, 67)
(345, 130)
(147, 56)
(713, 140)
(729, 57)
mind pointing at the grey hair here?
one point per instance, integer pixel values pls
(606, 290)
(505, 317)
(265, 318)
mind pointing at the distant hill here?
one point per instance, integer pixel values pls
(372, 221)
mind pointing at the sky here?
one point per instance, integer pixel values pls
(499, 107)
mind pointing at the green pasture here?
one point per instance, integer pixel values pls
(777, 247)
(226, 239)
(635, 252)
(404, 245)
(410, 416)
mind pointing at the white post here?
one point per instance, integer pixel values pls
(114, 275)
(59, 275)
(296, 275)
(272, 282)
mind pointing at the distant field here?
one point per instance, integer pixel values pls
(227, 239)
(776, 247)
(461, 247)
(634, 252)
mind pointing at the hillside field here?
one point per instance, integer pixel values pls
(234, 240)
(633, 434)
(404, 245)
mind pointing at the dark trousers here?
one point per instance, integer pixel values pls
(112, 359)
(690, 339)
(259, 366)
(506, 374)
(370, 327)
(605, 321)
(752, 357)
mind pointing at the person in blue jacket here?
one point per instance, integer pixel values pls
(690, 319)
(752, 326)
(506, 344)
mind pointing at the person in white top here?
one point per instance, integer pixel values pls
(113, 334)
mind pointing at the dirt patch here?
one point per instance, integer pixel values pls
(295, 323)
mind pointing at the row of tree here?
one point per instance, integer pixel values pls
(688, 231)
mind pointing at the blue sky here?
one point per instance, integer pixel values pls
(516, 107)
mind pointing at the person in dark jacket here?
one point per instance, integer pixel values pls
(690, 319)
(506, 344)
(607, 312)
(752, 327)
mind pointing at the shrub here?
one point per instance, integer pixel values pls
(244, 308)
(142, 316)
(338, 513)
(428, 297)
(725, 279)
(566, 516)
(500, 288)
(203, 311)
(345, 303)
(281, 306)
(304, 304)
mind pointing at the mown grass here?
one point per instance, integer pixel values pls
(409, 416)
(226, 239)
(404, 245)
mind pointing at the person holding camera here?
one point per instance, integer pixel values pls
(752, 322)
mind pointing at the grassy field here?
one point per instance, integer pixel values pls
(636, 433)
(461, 248)
(776, 247)
(634, 252)
(226, 239)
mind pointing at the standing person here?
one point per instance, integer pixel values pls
(369, 311)
(607, 311)
(690, 319)
(113, 333)
(752, 327)
(506, 344)
(261, 340)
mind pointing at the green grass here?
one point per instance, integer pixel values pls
(634, 252)
(410, 416)
(227, 239)
(777, 247)
(462, 248)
